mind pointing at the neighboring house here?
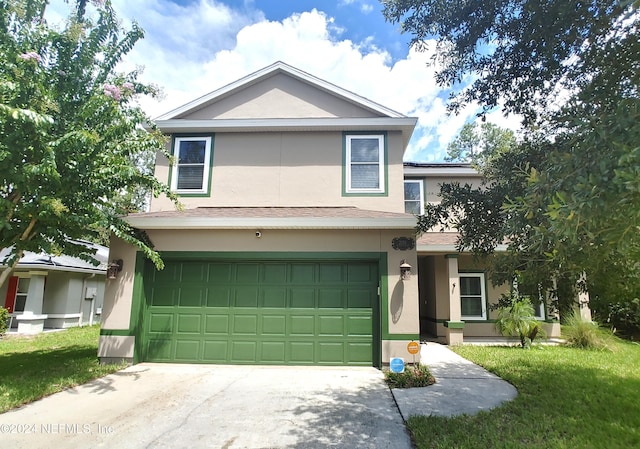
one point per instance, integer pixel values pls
(455, 292)
(54, 292)
(293, 236)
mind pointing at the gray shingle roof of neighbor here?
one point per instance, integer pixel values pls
(62, 262)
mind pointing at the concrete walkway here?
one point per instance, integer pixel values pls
(461, 387)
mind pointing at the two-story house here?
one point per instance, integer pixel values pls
(291, 241)
(296, 243)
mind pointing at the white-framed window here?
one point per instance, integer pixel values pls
(192, 164)
(365, 163)
(538, 311)
(414, 196)
(473, 299)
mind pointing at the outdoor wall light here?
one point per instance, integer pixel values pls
(114, 268)
(405, 270)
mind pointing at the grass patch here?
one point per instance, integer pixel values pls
(418, 376)
(567, 398)
(32, 367)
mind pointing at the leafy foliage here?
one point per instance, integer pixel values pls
(566, 199)
(71, 132)
(476, 142)
(517, 318)
(417, 376)
(4, 318)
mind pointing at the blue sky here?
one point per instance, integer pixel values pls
(192, 47)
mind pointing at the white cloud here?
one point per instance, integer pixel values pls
(192, 50)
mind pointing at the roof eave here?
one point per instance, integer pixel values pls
(148, 223)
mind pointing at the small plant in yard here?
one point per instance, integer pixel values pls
(516, 318)
(416, 376)
(4, 318)
(586, 334)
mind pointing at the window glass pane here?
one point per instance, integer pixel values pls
(470, 286)
(412, 207)
(192, 152)
(412, 191)
(190, 177)
(365, 150)
(471, 306)
(365, 176)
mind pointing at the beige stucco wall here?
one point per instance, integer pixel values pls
(279, 96)
(286, 169)
(116, 309)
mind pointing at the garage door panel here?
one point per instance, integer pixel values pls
(301, 352)
(217, 324)
(303, 298)
(220, 272)
(274, 325)
(189, 323)
(274, 297)
(262, 312)
(331, 325)
(331, 298)
(243, 351)
(164, 295)
(187, 350)
(302, 325)
(247, 273)
(219, 296)
(359, 298)
(274, 273)
(215, 351)
(359, 326)
(273, 351)
(161, 322)
(192, 296)
(331, 352)
(245, 325)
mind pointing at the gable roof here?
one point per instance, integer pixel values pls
(274, 69)
(381, 117)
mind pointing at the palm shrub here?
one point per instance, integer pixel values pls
(516, 318)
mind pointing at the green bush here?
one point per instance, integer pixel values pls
(4, 320)
(624, 317)
(519, 320)
(417, 376)
(586, 334)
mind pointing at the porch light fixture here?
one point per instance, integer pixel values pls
(405, 270)
(114, 268)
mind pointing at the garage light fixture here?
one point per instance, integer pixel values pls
(114, 268)
(405, 270)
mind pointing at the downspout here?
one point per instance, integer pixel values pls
(83, 295)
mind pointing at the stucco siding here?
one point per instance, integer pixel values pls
(279, 96)
(286, 169)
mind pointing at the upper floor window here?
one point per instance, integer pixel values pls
(364, 163)
(414, 196)
(473, 301)
(192, 165)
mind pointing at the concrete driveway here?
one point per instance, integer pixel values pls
(213, 406)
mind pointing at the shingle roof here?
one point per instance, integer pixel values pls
(276, 217)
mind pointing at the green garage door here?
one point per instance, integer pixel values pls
(260, 312)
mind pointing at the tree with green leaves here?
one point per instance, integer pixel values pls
(475, 142)
(71, 132)
(567, 198)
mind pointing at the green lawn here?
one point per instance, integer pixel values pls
(36, 366)
(567, 398)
